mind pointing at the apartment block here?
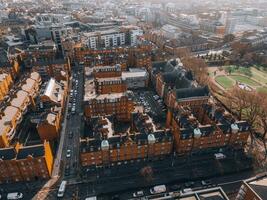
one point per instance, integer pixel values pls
(110, 85)
(49, 126)
(25, 163)
(107, 71)
(119, 104)
(59, 70)
(137, 56)
(9, 169)
(108, 148)
(200, 128)
(52, 101)
(106, 94)
(176, 85)
(135, 78)
(124, 35)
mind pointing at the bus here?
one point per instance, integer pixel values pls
(62, 189)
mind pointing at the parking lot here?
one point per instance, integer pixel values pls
(152, 103)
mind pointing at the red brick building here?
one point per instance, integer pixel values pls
(143, 142)
(207, 126)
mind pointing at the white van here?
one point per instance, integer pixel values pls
(91, 198)
(14, 195)
(62, 189)
(186, 190)
(158, 189)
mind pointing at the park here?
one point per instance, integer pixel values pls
(251, 78)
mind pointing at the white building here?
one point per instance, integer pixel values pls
(109, 38)
(135, 78)
(134, 35)
(171, 32)
(125, 35)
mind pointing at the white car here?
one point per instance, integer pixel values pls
(14, 195)
(219, 156)
(158, 189)
(68, 153)
(138, 193)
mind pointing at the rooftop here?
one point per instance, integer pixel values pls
(7, 153)
(54, 91)
(9, 113)
(185, 93)
(134, 74)
(34, 151)
(21, 97)
(259, 186)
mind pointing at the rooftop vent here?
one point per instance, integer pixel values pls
(104, 145)
(234, 128)
(197, 133)
(151, 139)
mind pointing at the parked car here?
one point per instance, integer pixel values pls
(189, 184)
(175, 187)
(14, 195)
(70, 134)
(67, 170)
(186, 190)
(206, 182)
(158, 189)
(138, 193)
(68, 153)
(219, 156)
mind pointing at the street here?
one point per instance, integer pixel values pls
(74, 127)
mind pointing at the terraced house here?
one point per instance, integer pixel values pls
(5, 84)
(15, 106)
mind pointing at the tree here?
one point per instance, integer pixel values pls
(147, 173)
(262, 119)
(247, 105)
(182, 53)
(240, 48)
(199, 68)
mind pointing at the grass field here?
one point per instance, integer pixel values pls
(245, 80)
(224, 82)
(251, 72)
(258, 75)
(262, 89)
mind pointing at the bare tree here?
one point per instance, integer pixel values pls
(147, 173)
(199, 69)
(262, 119)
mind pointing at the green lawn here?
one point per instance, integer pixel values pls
(224, 82)
(262, 89)
(258, 75)
(245, 80)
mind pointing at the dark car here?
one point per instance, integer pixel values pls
(206, 182)
(67, 170)
(115, 197)
(189, 184)
(175, 187)
(70, 134)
